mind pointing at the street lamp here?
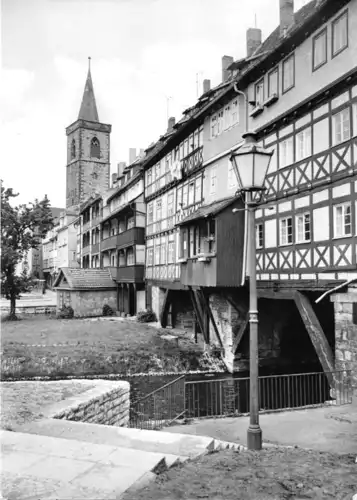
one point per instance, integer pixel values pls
(250, 164)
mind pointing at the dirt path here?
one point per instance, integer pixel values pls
(268, 475)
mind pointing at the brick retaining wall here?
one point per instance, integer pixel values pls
(108, 403)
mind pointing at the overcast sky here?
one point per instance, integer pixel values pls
(143, 51)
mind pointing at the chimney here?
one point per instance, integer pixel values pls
(171, 123)
(114, 178)
(132, 155)
(142, 153)
(206, 85)
(121, 166)
(226, 61)
(286, 15)
(254, 40)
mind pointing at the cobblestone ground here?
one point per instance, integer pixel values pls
(273, 474)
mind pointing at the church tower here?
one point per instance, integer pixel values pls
(88, 152)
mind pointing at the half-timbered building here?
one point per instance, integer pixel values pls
(298, 91)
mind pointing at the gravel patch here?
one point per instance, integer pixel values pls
(22, 402)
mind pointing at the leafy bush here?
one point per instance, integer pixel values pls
(66, 312)
(107, 310)
(147, 316)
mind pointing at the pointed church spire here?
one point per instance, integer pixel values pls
(88, 109)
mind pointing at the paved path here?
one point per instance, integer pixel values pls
(61, 460)
(323, 429)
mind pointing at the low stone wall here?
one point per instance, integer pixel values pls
(108, 403)
(31, 310)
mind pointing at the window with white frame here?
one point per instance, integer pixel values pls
(232, 179)
(340, 34)
(163, 253)
(273, 83)
(342, 220)
(303, 144)
(354, 119)
(130, 260)
(214, 126)
(198, 189)
(149, 176)
(319, 47)
(259, 92)
(150, 257)
(235, 111)
(158, 210)
(303, 228)
(286, 231)
(220, 121)
(191, 193)
(150, 212)
(184, 195)
(170, 204)
(286, 152)
(227, 117)
(288, 73)
(259, 235)
(341, 126)
(170, 252)
(157, 254)
(213, 180)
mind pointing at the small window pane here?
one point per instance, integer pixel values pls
(273, 83)
(339, 34)
(288, 73)
(320, 50)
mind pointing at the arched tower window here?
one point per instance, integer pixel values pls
(73, 149)
(95, 148)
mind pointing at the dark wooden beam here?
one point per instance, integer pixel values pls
(211, 317)
(316, 334)
(240, 334)
(165, 308)
(280, 295)
(198, 315)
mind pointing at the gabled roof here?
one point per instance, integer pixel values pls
(85, 279)
(208, 210)
(88, 109)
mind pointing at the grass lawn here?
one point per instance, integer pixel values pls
(273, 474)
(42, 346)
(22, 401)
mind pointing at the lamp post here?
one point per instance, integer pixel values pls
(250, 164)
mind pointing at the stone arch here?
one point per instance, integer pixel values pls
(95, 148)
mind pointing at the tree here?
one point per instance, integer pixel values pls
(21, 229)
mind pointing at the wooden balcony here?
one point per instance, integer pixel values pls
(130, 274)
(108, 243)
(192, 161)
(86, 250)
(95, 248)
(133, 236)
(194, 272)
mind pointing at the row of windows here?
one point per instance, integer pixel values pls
(224, 119)
(163, 253)
(188, 194)
(339, 41)
(339, 37)
(190, 144)
(302, 231)
(316, 138)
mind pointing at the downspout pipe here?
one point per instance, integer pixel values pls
(334, 290)
(240, 92)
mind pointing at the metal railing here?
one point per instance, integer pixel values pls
(160, 407)
(230, 396)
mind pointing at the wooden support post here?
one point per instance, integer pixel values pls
(198, 315)
(316, 334)
(211, 317)
(240, 334)
(165, 308)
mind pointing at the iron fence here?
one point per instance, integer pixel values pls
(160, 407)
(230, 396)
